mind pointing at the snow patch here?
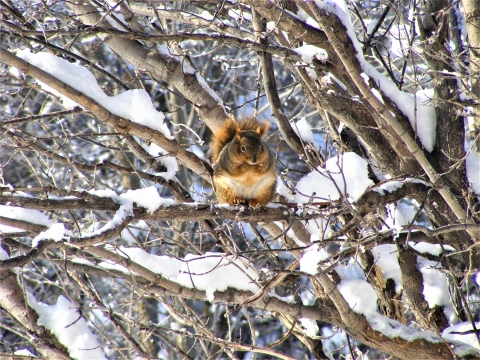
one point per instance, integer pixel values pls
(310, 328)
(134, 105)
(470, 339)
(310, 52)
(147, 198)
(304, 132)
(313, 255)
(349, 177)
(386, 257)
(435, 287)
(69, 327)
(210, 272)
(18, 213)
(55, 233)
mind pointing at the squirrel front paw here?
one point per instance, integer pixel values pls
(239, 201)
(255, 204)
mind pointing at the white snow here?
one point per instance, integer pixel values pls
(433, 249)
(310, 259)
(217, 272)
(124, 211)
(134, 105)
(210, 272)
(160, 155)
(18, 213)
(359, 295)
(470, 339)
(23, 352)
(472, 164)
(208, 89)
(386, 257)
(161, 264)
(309, 52)
(349, 173)
(271, 26)
(435, 287)
(310, 328)
(424, 119)
(400, 215)
(147, 198)
(302, 15)
(61, 319)
(393, 185)
(55, 233)
(329, 79)
(283, 190)
(389, 186)
(290, 233)
(304, 132)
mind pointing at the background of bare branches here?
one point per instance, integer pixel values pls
(51, 156)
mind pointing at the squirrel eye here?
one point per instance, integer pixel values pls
(243, 148)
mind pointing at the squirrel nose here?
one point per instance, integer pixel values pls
(254, 161)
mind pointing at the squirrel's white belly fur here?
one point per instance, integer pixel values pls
(247, 186)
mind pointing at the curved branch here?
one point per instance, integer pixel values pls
(122, 125)
(164, 67)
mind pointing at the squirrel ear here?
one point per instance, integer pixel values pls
(262, 129)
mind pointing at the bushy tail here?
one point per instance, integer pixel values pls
(230, 128)
(222, 137)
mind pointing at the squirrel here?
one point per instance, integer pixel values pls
(243, 167)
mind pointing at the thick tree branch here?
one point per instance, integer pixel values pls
(162, 67)
(415, 151)
(122, 125)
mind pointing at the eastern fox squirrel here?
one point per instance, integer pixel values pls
(243, 167)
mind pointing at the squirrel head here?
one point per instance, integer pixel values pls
(248, 146)
(243, 138)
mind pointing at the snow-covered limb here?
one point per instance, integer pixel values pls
(347, 59)
(158, 269)
(376, 327)
(163, 67)
(12, 299)
(120, 124)
(66, 323)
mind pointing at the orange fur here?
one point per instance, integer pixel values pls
(232, 128)
(244, 168)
